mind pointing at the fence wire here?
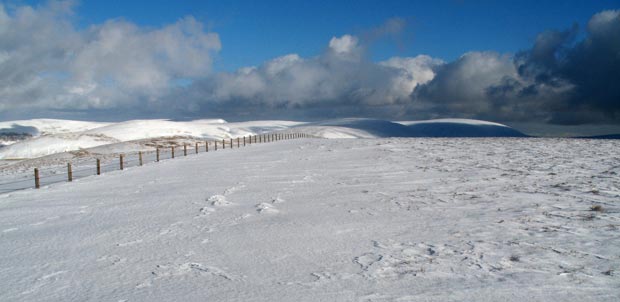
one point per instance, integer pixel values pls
(108, 163)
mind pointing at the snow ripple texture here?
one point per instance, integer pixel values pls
(329, 220)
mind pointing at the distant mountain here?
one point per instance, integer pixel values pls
(460, 128)
(372, 128)
(356, 128)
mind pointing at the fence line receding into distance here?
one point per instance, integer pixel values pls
(53, 175)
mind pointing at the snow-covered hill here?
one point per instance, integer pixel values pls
(15, 131)
(395, 219)
(48, 126)
(54, 136)
(372, 128)
(459, 128)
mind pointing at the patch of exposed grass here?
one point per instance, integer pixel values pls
(596, 208)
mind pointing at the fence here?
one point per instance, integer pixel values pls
(114, 162)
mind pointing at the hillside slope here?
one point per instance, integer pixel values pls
(51, 136)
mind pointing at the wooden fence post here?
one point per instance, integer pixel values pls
(196, 148)
(121, 161)
(206, 146)
(69, 172)
(237, 142)
(98, 166)
(215, 142)
(184, 149)
(140, 157)
(244, 141)
(231, 143)
(223, 144)
(37, 184)
(172, 148)
(157, 151)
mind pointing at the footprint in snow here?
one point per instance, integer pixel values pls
(218, 200)
(234, 188)
(265, 208)
(204, 211)
(277, 200)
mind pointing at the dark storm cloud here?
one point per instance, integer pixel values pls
(559, 80)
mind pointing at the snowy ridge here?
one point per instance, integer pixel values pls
(55, 136)
(460, 121)
(372, 128)
(52, 138)
(48, 126)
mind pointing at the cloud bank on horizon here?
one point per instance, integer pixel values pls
(48, 67)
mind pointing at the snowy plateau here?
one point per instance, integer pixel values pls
(328, 218)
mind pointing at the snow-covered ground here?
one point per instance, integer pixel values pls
(494, 219)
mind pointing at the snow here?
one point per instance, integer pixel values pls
(48, 126)
(85, 136)
(54, 136)
(141, 129)
(372, 128)
(453, 121)
(399, 219)
(51, 144)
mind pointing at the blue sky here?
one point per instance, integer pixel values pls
(255, 31)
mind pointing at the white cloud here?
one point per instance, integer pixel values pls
(604, 21)
(412, 72)
(344, 44)
(338, 77)
(46, 63)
